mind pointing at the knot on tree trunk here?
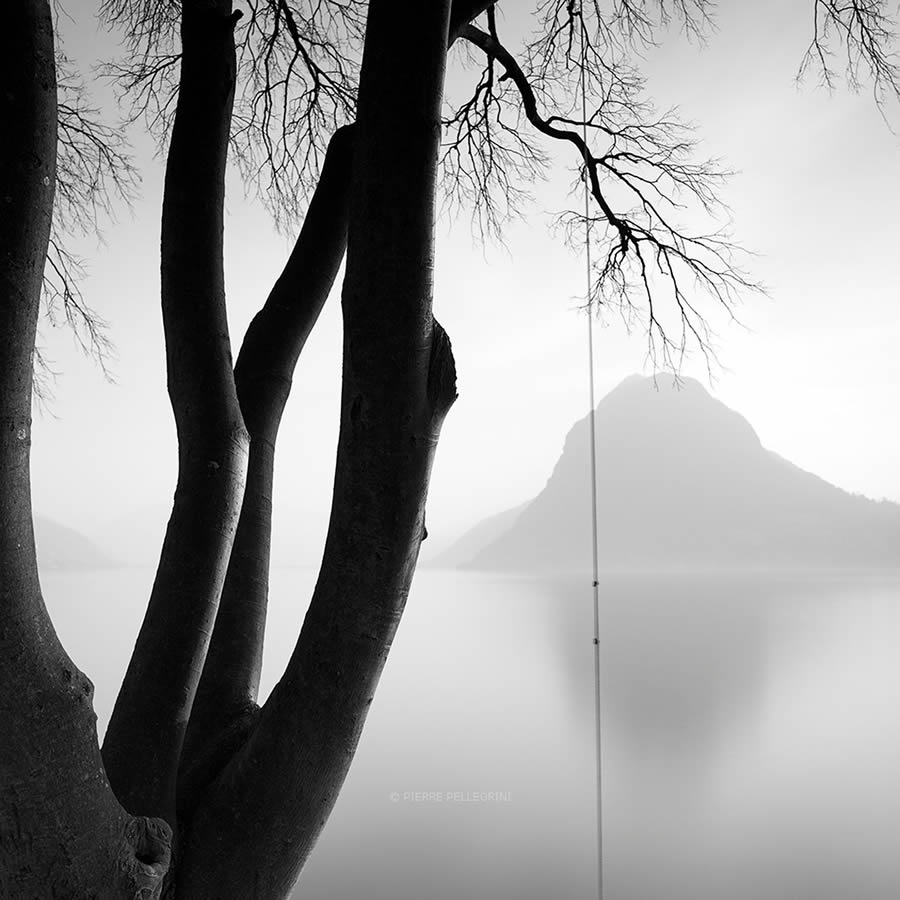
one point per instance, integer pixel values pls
(441, 373)
(145, 857)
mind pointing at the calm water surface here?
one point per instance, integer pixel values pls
(751, 736)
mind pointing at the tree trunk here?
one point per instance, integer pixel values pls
(62, 832)
(255, 827)
(146, 731)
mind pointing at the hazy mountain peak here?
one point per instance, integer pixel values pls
(684, 481)
(659, 382)
(667, 423)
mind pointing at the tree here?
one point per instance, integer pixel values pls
(199, 791)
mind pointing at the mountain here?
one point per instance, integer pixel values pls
(484, 533)
(683, 482)
(59, 547)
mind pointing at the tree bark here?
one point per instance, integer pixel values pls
(273, 797)
(144, 740)
(62, 832)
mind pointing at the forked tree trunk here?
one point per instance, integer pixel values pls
(258, 822)
(62, 832)
(225, 707)
(250, 820)
(225, 710)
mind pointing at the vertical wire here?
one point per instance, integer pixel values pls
(593, 431)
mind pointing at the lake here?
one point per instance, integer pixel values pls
(751, 736)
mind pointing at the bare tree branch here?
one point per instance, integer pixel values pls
(642, 178)
(488, 160)
(865, 32)
(94, 174)
(297, 70)
(464, 11)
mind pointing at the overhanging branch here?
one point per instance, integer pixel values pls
(636, 182)
(496, 50)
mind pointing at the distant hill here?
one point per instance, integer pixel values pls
(485, 532)
(136, 538)
(683, 482)
(59, 547)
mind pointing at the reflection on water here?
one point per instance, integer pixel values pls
(751, 743)
(751, 738)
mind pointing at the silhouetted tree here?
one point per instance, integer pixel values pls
(335, 110)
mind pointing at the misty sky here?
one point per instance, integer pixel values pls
(814, 370)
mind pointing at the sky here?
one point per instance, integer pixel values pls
(813, 365)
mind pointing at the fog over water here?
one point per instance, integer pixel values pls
(750, 736)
